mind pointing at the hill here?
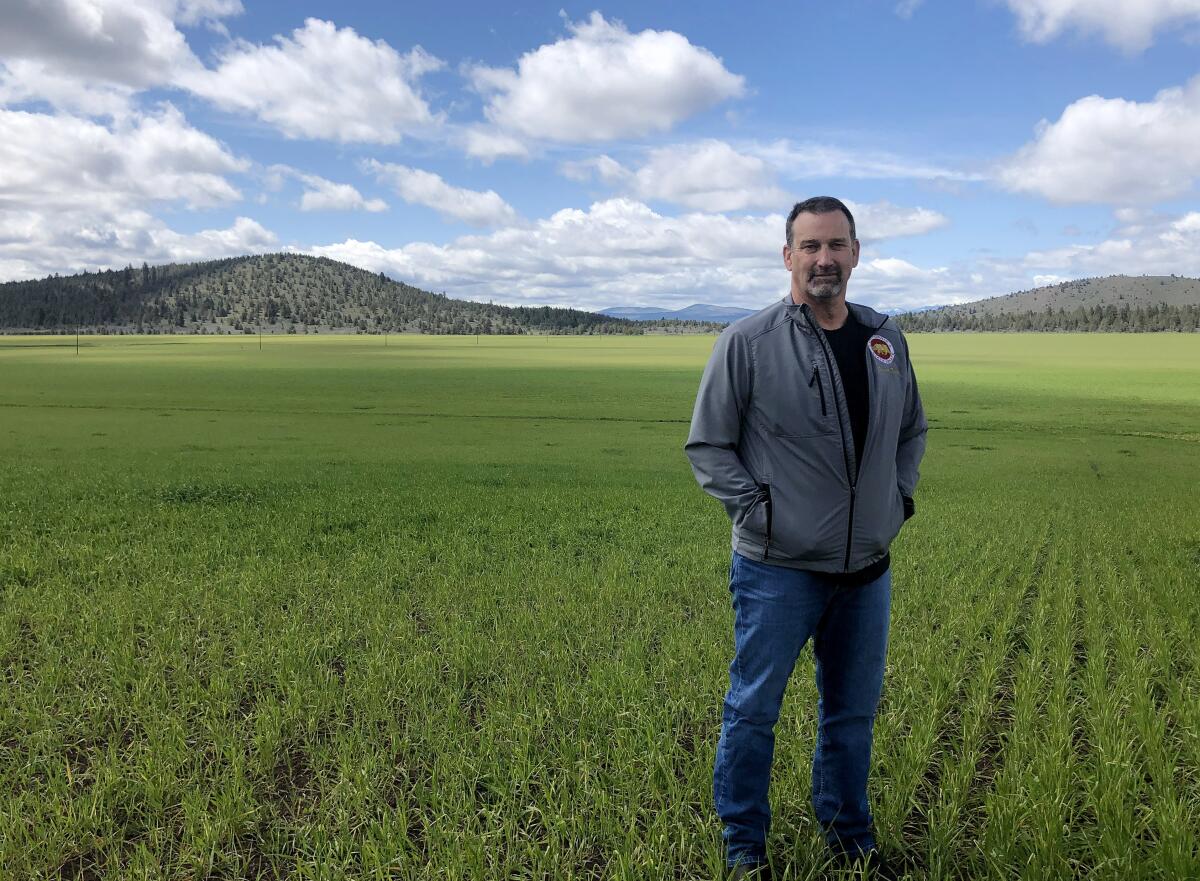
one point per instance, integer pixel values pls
(694, 312)
(274, 293)
(1116, 303)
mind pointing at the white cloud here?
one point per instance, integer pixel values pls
(906, 8)
(197, 11)
(321, 194)
(75, 192)
(603, 82)
(894, 284)
(875, 221)
(326, 195)
(62, 161)
(323, 82)
(1153, 246)
(130, 42)
(244, 236)
(707, 176)
(712, 176)
(1113, 150)
(36, 244)
(806, 160)
(23, 80)
(489, 145)
(1041, 281)
(454, 203)
(616, 251)
(619, 252)
(1125, 24)
(91, 56)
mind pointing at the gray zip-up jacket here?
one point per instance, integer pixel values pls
(771, 439)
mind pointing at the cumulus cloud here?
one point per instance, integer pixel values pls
(129, 42)
(75, 192)
(197, 11)
(323, 82)
(620, 251)
(453, 203)
(1113, 150)
(52, 161)
(707, 176)
(876, 221)
(894, 284)
(35, 244)
(603, 82)
(1154, 245)
(489, 145)
(23, 80)
(326, 195)
(321, 194)
(616, 251)
(805, 160)
(712, 176)
(1129, 26)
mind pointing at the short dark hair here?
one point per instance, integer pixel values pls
(819, 205)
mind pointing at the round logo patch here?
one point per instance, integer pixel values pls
(881, 349)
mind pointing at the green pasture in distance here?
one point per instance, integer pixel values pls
(455, 608)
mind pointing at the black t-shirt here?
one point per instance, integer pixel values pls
(849, 345)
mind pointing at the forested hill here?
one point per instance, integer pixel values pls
(1116, 303)
(277, 293)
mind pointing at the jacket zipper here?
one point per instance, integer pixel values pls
(766, 488)
(820, 388)
(850, 478)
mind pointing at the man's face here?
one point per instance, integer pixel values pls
(821, 257)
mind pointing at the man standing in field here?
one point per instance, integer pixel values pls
(809, 429)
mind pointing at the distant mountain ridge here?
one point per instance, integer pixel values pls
(276, 293)
(1120, 303)
(694, 312)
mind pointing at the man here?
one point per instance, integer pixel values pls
(809, 428)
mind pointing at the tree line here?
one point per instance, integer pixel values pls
(1123, 318)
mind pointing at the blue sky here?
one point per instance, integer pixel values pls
(600, 155)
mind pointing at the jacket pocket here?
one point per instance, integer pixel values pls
(800, 405)
(765, 488)
(809, 501)
(757, 520)
(816, 380)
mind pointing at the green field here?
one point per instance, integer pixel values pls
(450, 608)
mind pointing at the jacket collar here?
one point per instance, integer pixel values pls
(865, 315)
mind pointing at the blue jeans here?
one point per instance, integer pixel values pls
(776, 611)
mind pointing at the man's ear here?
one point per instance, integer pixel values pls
(787, 260)
(855, 248)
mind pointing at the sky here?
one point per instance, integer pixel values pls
(598, 155)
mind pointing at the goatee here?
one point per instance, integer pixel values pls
(824, 288)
